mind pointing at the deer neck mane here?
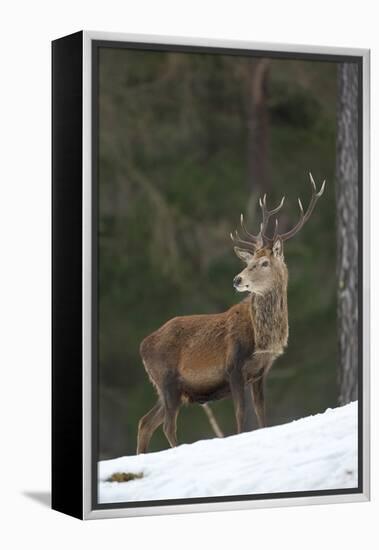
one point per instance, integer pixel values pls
(269, 315)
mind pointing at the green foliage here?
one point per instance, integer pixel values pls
(173, 179)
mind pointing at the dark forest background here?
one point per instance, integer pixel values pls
(188, 141)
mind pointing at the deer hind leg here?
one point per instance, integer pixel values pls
(147, 426)
(258, 393)
(172, 401)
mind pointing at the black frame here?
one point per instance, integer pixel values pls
(67, 415)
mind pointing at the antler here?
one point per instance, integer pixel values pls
(251, 244)
(266, 214)
(303, 217)
(259, 240)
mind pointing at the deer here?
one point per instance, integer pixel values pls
(207, 357)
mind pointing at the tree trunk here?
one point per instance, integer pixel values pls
(347, 231)
(258, 127)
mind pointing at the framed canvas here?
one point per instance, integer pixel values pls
(210, 258)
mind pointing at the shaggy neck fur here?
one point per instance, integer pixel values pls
(269, 316)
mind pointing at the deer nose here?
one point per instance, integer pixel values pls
(236, 281)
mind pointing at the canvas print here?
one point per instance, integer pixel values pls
(227, 358)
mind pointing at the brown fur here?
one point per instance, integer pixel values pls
(200, 358)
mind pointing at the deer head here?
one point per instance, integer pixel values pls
(263, 255)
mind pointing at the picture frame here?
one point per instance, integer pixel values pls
(75, 274)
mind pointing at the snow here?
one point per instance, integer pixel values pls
(313, 453)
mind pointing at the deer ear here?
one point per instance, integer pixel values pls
(243, 255)
(277, 248)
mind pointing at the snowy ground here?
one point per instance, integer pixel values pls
(317, 452)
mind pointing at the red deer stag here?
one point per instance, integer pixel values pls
(201, 358)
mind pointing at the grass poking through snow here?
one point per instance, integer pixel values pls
(121, 477)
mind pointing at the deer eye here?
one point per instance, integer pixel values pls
(264, 264)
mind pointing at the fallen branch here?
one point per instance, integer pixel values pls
(212, 420)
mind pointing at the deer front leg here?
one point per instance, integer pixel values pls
(257, 391)
(237, 389)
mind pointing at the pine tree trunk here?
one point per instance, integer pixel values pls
(258, 126)
(347, 227)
